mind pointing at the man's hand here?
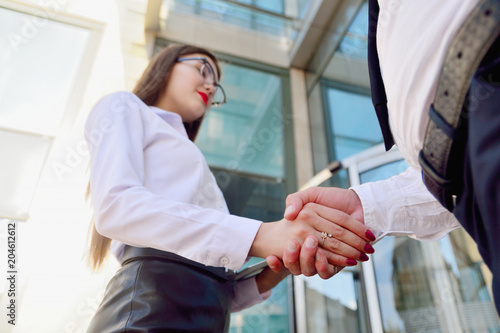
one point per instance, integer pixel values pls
(333, 197)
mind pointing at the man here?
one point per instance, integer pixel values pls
(412, 40)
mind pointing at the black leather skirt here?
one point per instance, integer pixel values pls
(156, 291)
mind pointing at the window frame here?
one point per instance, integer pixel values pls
(77, 93)
(329, 84)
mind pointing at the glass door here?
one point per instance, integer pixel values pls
(407, 285)
(347, 302)
(440, 286)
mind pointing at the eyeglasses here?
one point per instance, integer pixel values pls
(208, 74)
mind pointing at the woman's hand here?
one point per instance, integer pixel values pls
(269, 278)
(311, 259)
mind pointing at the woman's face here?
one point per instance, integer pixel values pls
(187, 92)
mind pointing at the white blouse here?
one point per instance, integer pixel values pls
(412, 41)
(151, 187)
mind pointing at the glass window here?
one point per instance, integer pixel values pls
(352, 122)
(304, 6)
(383, 172)
(349, 62)
(431, 286)
(259, 198)
(39, 63)
(22, 157)
(243, 144)
(270, 316)
(275, 6)
(271, 22)
(354, 44)
(246, 134)
(335, 304)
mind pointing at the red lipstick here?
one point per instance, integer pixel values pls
(204, 97)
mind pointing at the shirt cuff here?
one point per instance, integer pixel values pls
(402, 206)
(233, 241)
(377, 217)
(247, 295)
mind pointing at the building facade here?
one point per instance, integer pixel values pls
(295, 73)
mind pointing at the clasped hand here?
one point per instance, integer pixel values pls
(322, 231)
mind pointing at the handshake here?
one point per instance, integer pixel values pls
(322, 232)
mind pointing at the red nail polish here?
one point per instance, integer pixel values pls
(369, 248)
(351, 262)
(363, 257)
(370, 235)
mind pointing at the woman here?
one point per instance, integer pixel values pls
(155, 197)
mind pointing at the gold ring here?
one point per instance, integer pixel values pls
(335, 270)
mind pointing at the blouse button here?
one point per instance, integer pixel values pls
(224, 261)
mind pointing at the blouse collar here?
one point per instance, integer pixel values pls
(172, 118)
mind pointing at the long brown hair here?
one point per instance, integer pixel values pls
(150, 86)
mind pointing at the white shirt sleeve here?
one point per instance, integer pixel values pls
(247, 295)
(126, 211)
(402, 206)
